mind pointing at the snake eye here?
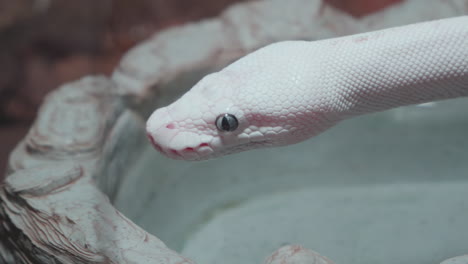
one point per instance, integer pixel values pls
(227, 122)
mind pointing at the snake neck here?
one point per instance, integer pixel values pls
(396, 67)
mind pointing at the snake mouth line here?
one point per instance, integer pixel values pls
(155, 145)
(204, 150)
(185, 153)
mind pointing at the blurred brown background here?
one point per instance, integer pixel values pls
(44, 43)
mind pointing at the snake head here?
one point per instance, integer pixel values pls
(206, 122)
(258, 101)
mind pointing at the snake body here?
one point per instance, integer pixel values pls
(290, 91)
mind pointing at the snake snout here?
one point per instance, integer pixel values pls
(186, 153)
(170, 152)
(155, 145)
(175, 141)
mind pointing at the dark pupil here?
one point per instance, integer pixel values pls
(227, 122)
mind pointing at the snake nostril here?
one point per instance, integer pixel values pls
(170, 126)
(203, 145)
(188, 149)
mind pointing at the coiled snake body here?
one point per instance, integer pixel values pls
(290, 91)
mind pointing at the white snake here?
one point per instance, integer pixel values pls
(290, 91)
